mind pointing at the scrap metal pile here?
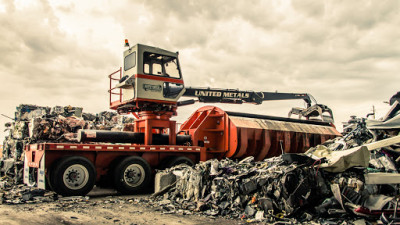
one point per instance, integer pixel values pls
(353, 176)
(37, 124)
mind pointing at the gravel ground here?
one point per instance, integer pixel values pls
(102, 207)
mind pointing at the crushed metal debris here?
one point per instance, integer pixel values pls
(345, 180)
(353, 179)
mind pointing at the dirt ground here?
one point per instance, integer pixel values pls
(103, 207)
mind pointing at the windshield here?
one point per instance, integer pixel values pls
(160, 65)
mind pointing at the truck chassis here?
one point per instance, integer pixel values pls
(73, 169)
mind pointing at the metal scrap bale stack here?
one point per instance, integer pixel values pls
(37, 124)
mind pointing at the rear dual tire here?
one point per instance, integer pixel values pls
(74, 175)
(132, 175)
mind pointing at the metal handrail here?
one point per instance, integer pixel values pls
(115, 72)
(112, 88)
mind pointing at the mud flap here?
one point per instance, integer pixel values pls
(41, 176)
(40, 179)
(26, 171)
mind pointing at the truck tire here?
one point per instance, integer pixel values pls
(132, 175)
(177, 160)
(49, 177)
(73, 175)
(49, 184)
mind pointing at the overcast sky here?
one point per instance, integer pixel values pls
(345, 53)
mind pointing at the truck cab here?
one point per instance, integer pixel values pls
(149, 75)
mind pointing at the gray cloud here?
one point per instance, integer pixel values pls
(345, 53)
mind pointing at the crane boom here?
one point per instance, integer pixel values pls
(212, 95)
(235, 96)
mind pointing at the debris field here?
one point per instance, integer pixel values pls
(352, 179)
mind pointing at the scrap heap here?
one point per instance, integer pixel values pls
(37, 124)
(353, 176)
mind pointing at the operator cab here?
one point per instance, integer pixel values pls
(150, 76)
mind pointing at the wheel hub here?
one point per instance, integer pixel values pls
(73, 176)
(76, 176)
(133, 175)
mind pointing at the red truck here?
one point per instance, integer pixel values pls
(149, 86)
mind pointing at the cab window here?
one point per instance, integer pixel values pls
(161, 65)
(130, 61)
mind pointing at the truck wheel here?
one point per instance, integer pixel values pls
(132, 175)
(73, 175)
(49, 185)
(177, 160)
(49, 177)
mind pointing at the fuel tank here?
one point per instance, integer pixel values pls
(238, 135)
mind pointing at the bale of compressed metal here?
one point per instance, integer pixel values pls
(35, 124)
